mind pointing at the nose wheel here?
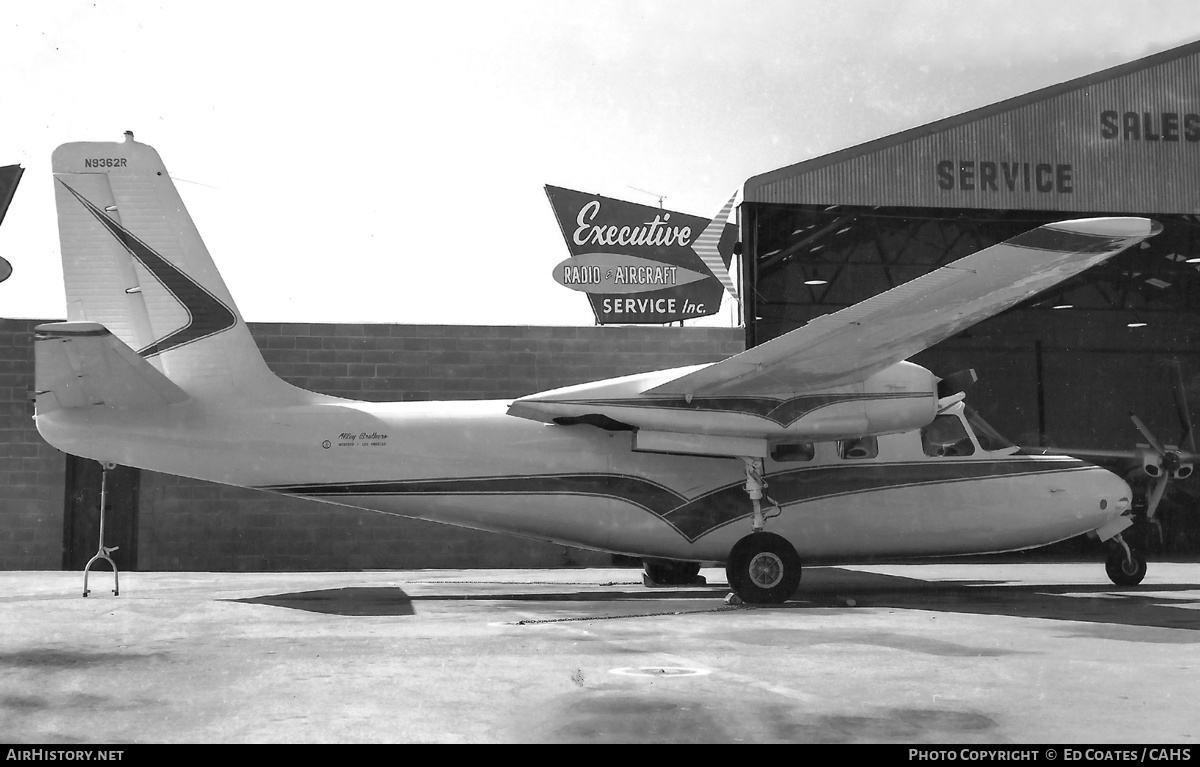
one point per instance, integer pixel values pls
(1125, 565)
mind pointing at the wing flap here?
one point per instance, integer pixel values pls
(82, 364)
(850, 345)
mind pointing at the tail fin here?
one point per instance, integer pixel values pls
(134, 263)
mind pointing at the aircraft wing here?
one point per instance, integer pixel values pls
(80, 364)
(819, 381)
(849, 345)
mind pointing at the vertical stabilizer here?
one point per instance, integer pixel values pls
(134, 262)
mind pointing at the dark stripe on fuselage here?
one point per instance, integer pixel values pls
(696, 517)
(651, 496)
(784, 412)
(702, 515)
(207, 315)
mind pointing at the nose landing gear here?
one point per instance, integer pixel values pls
(1125, 565)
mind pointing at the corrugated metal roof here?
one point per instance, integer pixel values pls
(1126, 139)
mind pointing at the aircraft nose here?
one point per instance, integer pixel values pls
(1114, 492)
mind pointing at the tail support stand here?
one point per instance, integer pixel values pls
(102, 552)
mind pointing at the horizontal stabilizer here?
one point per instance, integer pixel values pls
(82, 364)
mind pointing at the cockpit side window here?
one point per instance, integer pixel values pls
(860, 447)
(989, 439)
(793, 451)
(946, 436)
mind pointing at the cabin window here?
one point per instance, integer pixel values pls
(793, 451)
(946, 436)
(861, 447)
(989, 438)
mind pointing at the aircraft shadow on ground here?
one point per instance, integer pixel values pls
(822, 588)
(364, 600)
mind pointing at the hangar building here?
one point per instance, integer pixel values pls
(1066, 368)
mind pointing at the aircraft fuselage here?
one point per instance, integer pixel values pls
(471, 464)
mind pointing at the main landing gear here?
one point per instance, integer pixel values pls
(763, 568)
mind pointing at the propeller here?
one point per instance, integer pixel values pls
(1159, 462)
(956, 383)
(1173, 462)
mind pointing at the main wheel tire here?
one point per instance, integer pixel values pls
(665, 572)
(1124, 571)
(763, 569)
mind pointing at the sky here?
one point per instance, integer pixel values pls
(386, 161)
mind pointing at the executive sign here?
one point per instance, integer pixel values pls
(639, 264)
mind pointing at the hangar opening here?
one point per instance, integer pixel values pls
(1067, 367)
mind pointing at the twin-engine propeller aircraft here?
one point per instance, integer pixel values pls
(822, 444)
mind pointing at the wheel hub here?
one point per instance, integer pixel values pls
(766, 570)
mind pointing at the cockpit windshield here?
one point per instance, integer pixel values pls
(989, 439)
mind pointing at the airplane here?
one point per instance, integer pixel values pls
(822, 446)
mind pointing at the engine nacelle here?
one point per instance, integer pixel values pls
(900, 398)
(1150, 464)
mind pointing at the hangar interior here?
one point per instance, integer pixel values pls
(816, 259)
(1065, 368)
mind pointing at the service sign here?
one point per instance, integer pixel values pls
(639, 264)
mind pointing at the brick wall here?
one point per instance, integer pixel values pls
(31, 472)
(190, 525)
